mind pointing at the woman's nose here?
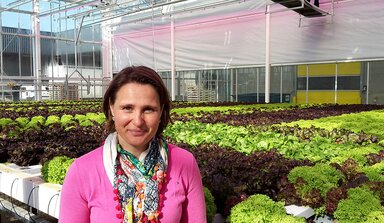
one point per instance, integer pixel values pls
(138, 118)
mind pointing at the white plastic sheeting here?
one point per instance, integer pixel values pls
(356, 32)
(234, 35)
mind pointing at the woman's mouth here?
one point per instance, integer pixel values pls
(137, 132)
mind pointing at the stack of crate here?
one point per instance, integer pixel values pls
(58, 91)
(207, 95)
(197, 93)
(191, 91)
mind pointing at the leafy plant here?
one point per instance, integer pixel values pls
(359, 154)
(97, 117)
(54, 170)
(375, 217)
(22, 121)
(5, 121)
(36, 122)
(67, 120)
(231, 175)
(80, 117)
(86, 122)
(251, 139)
(373, 158)
(210, 205)
(313, 182)
(52, 119)
(34, 146)
(359, 207)
(260, 117)
(236, 156)
(260, 208)
(372, 122)
(375, 172)
(354, 178)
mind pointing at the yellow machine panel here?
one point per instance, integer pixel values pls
(319, 97)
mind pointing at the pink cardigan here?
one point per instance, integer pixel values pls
(87, 193)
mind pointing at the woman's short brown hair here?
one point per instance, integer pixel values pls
(140, 75)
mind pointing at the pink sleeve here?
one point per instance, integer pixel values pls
(73, 205)
(194, 208)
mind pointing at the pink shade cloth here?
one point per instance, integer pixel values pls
(87, 194)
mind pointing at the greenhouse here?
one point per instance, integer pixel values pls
(281, 102)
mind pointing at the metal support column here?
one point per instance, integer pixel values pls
(336, 76)
(267, 54)
(173, 65)
(367, 91)
(1, 56)
(106, 47)
(36, 48)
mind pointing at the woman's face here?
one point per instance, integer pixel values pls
(137, 114)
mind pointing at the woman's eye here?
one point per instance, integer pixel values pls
(128, 109)
(148, 110)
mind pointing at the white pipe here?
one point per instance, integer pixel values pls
(36, 48)
(336, 76)
(267, 54)
(107, 54)
(1, 58)
(234, 89)
(257, 85)
(367, 91)
(173, 65)
(14, 5)
(66, 7)
(125, 14)
(281, 84)
(307, 85)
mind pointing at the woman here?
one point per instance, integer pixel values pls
(136, 176)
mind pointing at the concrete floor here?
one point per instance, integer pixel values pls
(218, 219)
(8, 213)
(5, 217)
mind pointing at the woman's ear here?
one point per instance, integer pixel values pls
(111, 110)
(162, 113)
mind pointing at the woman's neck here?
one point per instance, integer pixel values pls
(133, 150)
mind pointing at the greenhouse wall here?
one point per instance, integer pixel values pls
(218, 50)
(66, 54)
(229, 43)
(237, 38)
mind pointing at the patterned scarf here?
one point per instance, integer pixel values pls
(138, 184)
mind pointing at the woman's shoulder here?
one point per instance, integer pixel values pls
(182, 167)
(90, 158)
(181, 159)
(179, 153)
